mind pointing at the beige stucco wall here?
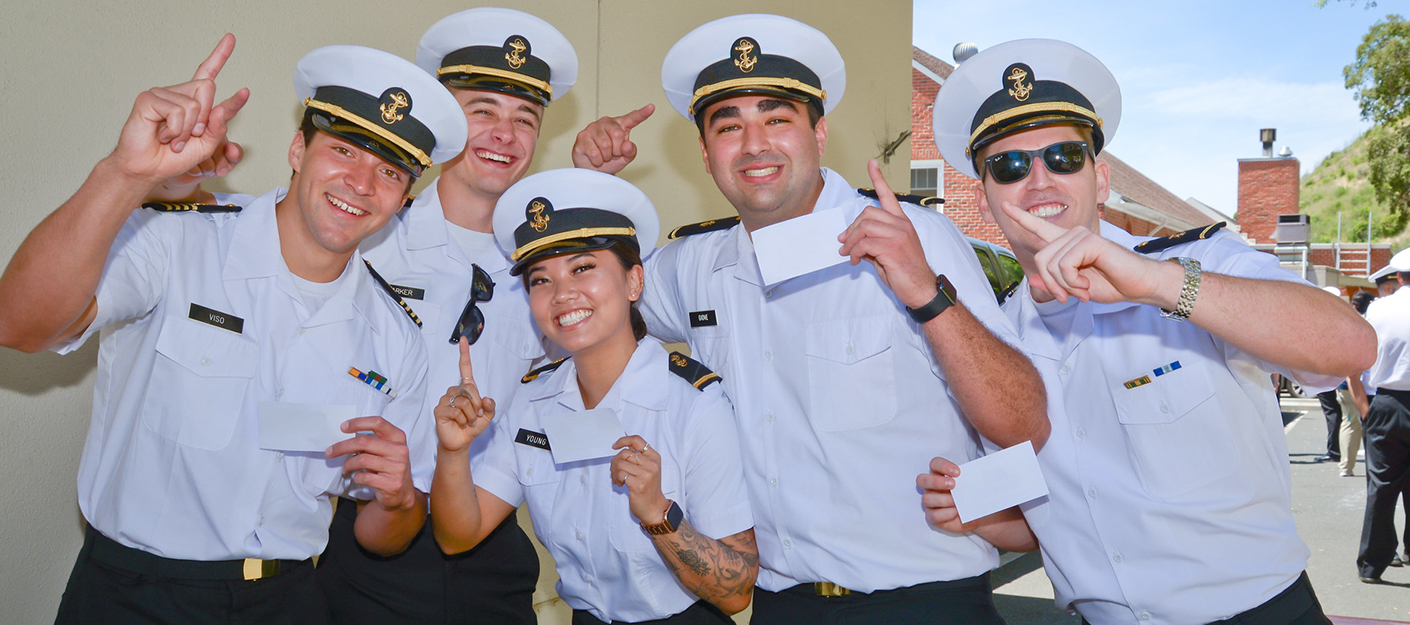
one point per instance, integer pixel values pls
(70, 69)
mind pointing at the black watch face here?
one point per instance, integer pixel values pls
(947, 288)
(674, 516)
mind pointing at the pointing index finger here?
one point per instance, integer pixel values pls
(1046, 230)
(884, 196)
(211, 67)
(632, 119)
(467, 372)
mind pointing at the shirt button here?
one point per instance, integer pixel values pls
(529, 471)
(768, 294)
(787, 543)
(1081, 433)
(582, 479)
(580, 536)
(850, 349)
(1092, 492)
(279, 456)
(260, 521)
(1116, 558)
(301, 331)
(587, 578)
(768, 354)
(1164, 407)
(207, 361)
(1066, 369)
(769, 417)
(279, 392)
(1145, 616)
(773, 481)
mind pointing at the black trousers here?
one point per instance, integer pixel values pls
(1296, 605)
(961, 602)
(1331, 409)
(699, 613)
(1387, 428)
(492, 583)
(98, 592)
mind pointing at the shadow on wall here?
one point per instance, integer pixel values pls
(36, 374)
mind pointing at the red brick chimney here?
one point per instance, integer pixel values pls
(1268, 187)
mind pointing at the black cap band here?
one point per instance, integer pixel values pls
(383, 125)
(510, 68)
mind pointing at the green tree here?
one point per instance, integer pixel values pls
(1380, 78)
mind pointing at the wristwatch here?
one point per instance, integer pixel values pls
(669, 521)
(944, 298)
(1188, 291)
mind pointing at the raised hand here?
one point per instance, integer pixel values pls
(173, 129)
(382, 462)
(606, 144)
(1080, 263)
(887, 238)
(638, 468)
(462, 414)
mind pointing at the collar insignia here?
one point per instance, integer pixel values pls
(518, 48)
(538, 213)
(393, 100)
(744, 47)
(1017, 73)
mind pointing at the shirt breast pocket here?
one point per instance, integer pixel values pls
(851, 376)
(198, 384)
(1177, 433)
(710, 345)
(540, 479)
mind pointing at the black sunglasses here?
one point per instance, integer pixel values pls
(1067, 157)
(472, 321)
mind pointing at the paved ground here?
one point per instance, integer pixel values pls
(1328, 509)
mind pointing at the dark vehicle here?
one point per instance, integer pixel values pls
(1000, 267)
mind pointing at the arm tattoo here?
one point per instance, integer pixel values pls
(717, 571)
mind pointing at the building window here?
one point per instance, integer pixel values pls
(925, 181)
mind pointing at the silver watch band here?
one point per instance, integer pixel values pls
(1188, 292)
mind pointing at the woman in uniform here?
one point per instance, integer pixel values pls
(661, 530)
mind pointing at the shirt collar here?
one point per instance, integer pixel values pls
(254, 247)
(426, 228)
(640, 384)
(836, 193)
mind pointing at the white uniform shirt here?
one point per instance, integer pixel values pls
(172, 463)
(839, 401)
(416, 254)
(1390, 316)
(606, 564)
(1170, 502)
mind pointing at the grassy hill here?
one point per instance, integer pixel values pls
(1340, 185)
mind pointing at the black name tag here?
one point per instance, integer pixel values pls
(216, 318)
(701, 318)
(409, 292)
(532, 439)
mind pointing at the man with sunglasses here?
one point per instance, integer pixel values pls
(1167, 467)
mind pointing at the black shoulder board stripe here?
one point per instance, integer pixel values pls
(1193, 234)
(534, 374)
(180, 207)
(723, 223)
(407, 204)
(697, 374)
(393, 293)
(919, 200)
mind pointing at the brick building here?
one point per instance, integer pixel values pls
(1137, 203)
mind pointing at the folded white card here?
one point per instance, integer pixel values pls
(586, 435)
(286, 426)
(998, 481)
(798, 246)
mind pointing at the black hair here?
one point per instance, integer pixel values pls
(813, 107)
(629, 258)
(308, 128)
(1361, 300)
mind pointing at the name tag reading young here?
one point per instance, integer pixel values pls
(998, 481)
(799, 246)
(285, 426)
(586, 435)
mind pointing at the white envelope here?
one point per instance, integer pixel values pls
(586, 435)
(997, 481)
(799, 246)
(286, 426)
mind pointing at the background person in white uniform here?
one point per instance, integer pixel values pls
(574, 235)
(204, 317)
(1167, 467)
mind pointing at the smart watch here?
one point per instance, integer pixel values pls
(669, 521)
(944, 298)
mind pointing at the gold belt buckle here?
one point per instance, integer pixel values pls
(256, 569)
(829, 589)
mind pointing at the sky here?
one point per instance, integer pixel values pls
(1198, 78)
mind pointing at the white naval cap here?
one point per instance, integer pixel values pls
(572, 210)
(494, 49)
(1384, 272)
(753, 54)
(383, 103)
(1401, 261)
(1020, 85)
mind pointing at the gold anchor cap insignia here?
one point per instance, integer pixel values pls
(538, 213)
(518, 50)
(1016, 74)
(744, 46)
(393, 100)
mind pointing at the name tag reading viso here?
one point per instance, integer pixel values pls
(216, 318)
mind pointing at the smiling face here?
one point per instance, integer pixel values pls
(582, 302)
(340, 195)
(764, 156)
(1068, 200)
(503, 133)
